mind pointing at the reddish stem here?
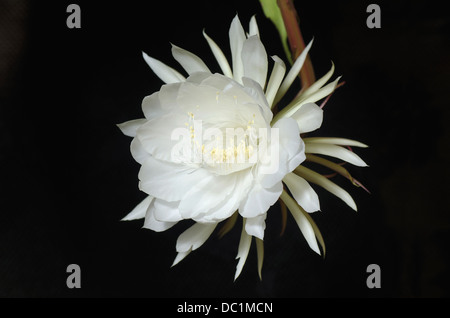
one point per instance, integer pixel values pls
(295, 38)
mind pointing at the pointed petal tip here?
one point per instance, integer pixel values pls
(352, 204)
(180, 256)
(316, 249)
(238, 271)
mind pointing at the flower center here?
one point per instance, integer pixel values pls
(222, 150)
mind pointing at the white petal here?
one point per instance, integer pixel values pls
(293, 73)
(165, 73)
(291, 151)
(254, 59)
(153, 224)
(220, 57)
(203, 196)
(273, 171)
(167, 211)
(259, 200)
(335, 141)
(243, 249)
(180, 256)
(130, 127)
(335, 151)
(216, 106)
(295, 161)
(139, 211)
(225, 208)
(198, 77)
(194, 237)
(151, 106)
(255, 90)
(189, 61)
(309, 117)
(166, 137)
(325, 183)
(302, 222)
(302, 192)
(253, 27)
(289, 136)
(320, 94)
(138, 152)
(167, 96)
(320, 82)
(255, 226)
(237, 38)
(279, 69)
(168, 181)
(301, 100)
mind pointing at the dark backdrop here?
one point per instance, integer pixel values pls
(68, 178)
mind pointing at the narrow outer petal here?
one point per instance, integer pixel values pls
(194, 237)
(243, 249)
(140, 210)
(325, 183)
(293, 73)
(165, 73)
(259, 200)
(320, 82)
(256, 226)
(253, 27)
(130, 127)
(302, 222)
(189, 61)
(309, 117)
(254, 59)
(153, 224)
(335, 151)
(220, 57)
(303, 193)
(260, 254)
(335, 141)
(301, 100)
(237, 38)
(276, 77)
(314, 96)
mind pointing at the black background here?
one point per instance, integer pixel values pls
(68, 178)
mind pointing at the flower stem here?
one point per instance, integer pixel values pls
(296, 42)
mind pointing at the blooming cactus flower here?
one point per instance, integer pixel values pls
(211, 148)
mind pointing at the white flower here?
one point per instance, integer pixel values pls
(209, 145)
